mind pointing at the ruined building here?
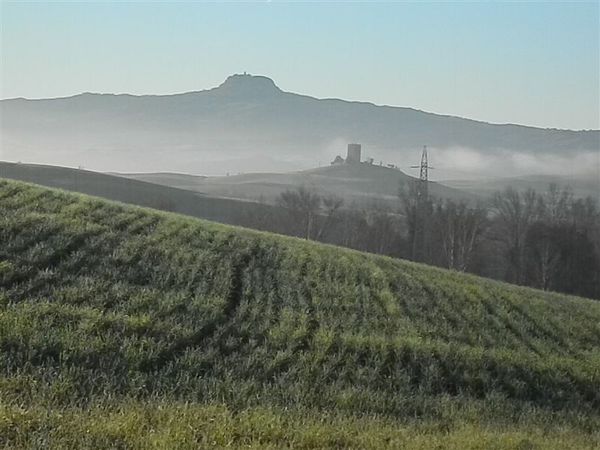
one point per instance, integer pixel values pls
(352, 157)
(353, 154)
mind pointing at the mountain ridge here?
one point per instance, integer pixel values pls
(277, 89)
(246, 117)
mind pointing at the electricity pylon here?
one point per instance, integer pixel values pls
(421, 226)
(424, 167)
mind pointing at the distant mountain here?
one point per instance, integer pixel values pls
(358, 184)
(248, 124)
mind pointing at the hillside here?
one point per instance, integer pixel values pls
(135, 192)
(359, 184)
(248, 124)
(124, 327)
(580, 185)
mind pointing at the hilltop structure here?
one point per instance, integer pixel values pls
(353, 156)
(232, 127)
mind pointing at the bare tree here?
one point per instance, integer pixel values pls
(514, 214)
(331, 206)
(303, 204)
(555, 204)
(459, 229)
(544, 252)
(542, 240)
(418, 213)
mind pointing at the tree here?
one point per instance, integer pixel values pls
(514, 212)
(458, 229)
(417, 211)
(303, 205)
(544, 254)
(543, 236)
(383, 230)
(579, 264)
(332, 206)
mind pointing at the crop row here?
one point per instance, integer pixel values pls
(98, 300)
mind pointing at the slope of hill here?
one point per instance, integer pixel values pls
(131, 328)
(135, 192)
(360, 184)
(581, 185)
(249, 124)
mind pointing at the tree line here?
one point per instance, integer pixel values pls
(548, 240)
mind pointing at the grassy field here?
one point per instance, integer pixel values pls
(122, 327)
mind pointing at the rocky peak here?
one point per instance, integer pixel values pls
(247, 85)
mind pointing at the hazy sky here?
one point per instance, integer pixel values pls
(535, 63)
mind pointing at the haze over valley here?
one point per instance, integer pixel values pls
(300, 225)
(248, 124)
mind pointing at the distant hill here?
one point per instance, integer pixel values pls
(123, 327)
(134, 192)
(358, 184)
(228, 199)
(581, 186)
(248, 124)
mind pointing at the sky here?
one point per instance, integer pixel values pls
(534, 63)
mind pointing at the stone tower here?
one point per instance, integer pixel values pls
(353, 156)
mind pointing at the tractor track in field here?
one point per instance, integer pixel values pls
(234, 299)
(307, 341)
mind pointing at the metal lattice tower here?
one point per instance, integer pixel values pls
(421, 225)
(424, 166)
(424, 175)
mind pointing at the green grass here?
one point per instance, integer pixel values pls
(184, 426)
(129, 328)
